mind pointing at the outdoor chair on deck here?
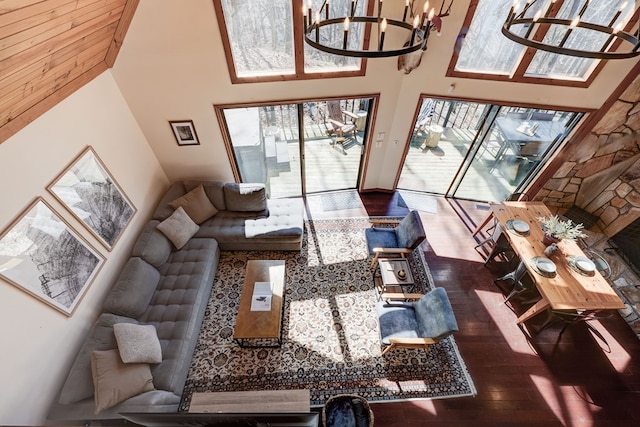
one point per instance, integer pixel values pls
(398, 241)
(416, 324)
(339, 126)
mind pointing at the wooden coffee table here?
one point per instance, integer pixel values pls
(261, 328)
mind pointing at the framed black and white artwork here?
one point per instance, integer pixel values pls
(43, 256)
(89, 192)
(185, 132)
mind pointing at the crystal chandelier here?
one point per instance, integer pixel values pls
(416, 24)
(588, 33)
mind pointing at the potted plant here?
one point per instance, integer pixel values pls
(556, 229)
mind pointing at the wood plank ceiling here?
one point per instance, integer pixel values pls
(51, 48)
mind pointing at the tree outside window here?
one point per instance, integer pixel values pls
(263, 40)
(484, 52)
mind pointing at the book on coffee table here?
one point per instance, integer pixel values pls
(261, 299)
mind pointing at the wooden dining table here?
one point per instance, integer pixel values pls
(568, 289)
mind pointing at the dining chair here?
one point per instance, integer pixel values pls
(523, 287)
(497, 243)
(417, 324)
(602, 265)
(397, 241)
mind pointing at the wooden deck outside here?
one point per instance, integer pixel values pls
(330, 166)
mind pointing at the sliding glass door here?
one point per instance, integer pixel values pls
(301, 148)
(480, 151)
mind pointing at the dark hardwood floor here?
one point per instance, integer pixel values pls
(571, 379)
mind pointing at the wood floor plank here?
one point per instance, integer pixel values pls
(571, 381)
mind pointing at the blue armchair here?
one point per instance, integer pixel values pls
(416, 324)
(401, 240)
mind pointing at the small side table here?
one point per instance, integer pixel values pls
(390, 277)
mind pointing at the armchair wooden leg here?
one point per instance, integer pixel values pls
(373, 263)
(386, 350)
(426, 349)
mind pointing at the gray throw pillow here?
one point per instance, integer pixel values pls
(152, 245)
(196, 204)
(138, 343)
(245, 197)
(115, 381)
(134, 289)
(178, 228)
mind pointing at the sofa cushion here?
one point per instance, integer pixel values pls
(177, 309)
(115, 381)
(397, 320)
(164, 211)
(196, 204)
(214, 190)
(79, 385)
(152, 245)
(134, 289)
(245, 197)
(434, 314)
(179, 227)
(285, 219)
(137, 343)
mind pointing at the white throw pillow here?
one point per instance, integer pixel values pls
(178, 228)
(138, 343)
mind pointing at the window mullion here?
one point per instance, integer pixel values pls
(298, 38)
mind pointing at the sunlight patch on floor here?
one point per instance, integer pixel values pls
(504, 319)
(566, 402)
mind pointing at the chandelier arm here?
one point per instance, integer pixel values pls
(419, 33)
(309, 38)
(569, 51)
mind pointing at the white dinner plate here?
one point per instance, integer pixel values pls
(520, 226)
(545, 265)
(585, 264)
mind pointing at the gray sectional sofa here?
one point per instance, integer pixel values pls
(169, 288)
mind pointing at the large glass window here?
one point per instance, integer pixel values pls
(260, 36)
(294, 149)
(480, 151)
(263, 40)
(485, 51)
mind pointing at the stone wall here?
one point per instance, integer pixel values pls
(602, 173)
(602, 176)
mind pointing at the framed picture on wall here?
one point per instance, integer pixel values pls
(43, 256)
(185, 132)
(89, 192)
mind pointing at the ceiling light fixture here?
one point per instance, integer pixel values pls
(416, 23)
(537, 25)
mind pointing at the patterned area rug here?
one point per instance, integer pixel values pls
(331, 342)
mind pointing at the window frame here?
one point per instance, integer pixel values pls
(298, 51)
(519, 75)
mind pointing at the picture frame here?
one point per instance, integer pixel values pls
(185, 132)
(42, 255)
(87, 189)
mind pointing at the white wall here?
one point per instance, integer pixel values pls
(172, 67)
(38, 342)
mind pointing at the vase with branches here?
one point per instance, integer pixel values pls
(557, 229)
